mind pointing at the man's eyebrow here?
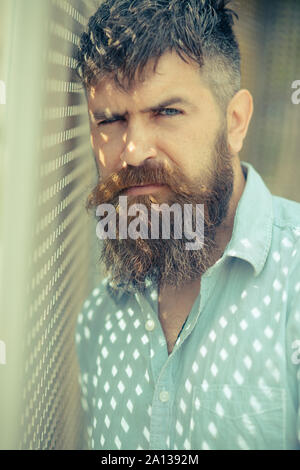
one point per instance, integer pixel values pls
(107, 114)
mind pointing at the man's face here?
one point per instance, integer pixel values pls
(183, 135)
(168, 130)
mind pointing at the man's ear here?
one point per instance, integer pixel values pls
(239, 113)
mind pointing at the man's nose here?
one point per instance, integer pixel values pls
(138, 146)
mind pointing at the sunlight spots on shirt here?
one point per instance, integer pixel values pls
(273, 370)
(244, 325)
(104, 352)
(124, 425)
(113, 403)
(223, 322)
(214, 370)
(285, 270)
(242, 443)
(246, 243)
(77, 338)
(96, 292)
(233, 308)
(108, 325)
(276, 256)
(90, 314)
(223, 354)
(118, 442)
(121, 386)
(187, 444)
(277, 285)
(224, 384)
(182, 405)
(146, 433)
(212, 336)
(113, 338)
(256, 312)
(296, 231)
(238, 377)
(257, 345)
(136, 354)
(179, 428)
(248, 362)
(279, 349)
(128, 371)
(286, 243)
(188, 386)
(233, 339)
(212, 429)
(219, 410)
(268, 332)
(107, 421)
(153, 295)
(244, 294)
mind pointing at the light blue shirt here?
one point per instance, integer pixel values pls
(232, 380)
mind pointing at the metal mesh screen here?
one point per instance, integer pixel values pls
(48, 243)
(59, 270)
(47, 265)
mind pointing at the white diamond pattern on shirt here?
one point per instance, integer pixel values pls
(213, 395)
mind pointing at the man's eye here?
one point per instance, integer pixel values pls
(173, 112)
(169, 109)
(107, 121)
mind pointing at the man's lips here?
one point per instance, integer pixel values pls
(144, 189)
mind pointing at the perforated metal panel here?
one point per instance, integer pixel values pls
(48, 236)
(48, 246)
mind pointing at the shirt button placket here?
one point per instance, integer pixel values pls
(160, 413)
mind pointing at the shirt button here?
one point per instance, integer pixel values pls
(150, 325)
(164, 396)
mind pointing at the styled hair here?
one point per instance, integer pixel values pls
(123, 35)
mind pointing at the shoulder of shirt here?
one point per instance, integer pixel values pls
(286, 212)
(287, 220)
(287, 217)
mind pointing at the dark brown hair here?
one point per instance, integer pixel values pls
(123, 35)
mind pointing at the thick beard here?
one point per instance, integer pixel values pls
(131, 264)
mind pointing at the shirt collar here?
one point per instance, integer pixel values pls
(253, 222)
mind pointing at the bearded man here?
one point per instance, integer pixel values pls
(184, 348)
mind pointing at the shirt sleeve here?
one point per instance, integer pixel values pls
(82, 345)
(293, 335)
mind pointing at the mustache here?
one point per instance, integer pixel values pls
(116, 183)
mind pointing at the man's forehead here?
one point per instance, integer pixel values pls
(171, 72)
